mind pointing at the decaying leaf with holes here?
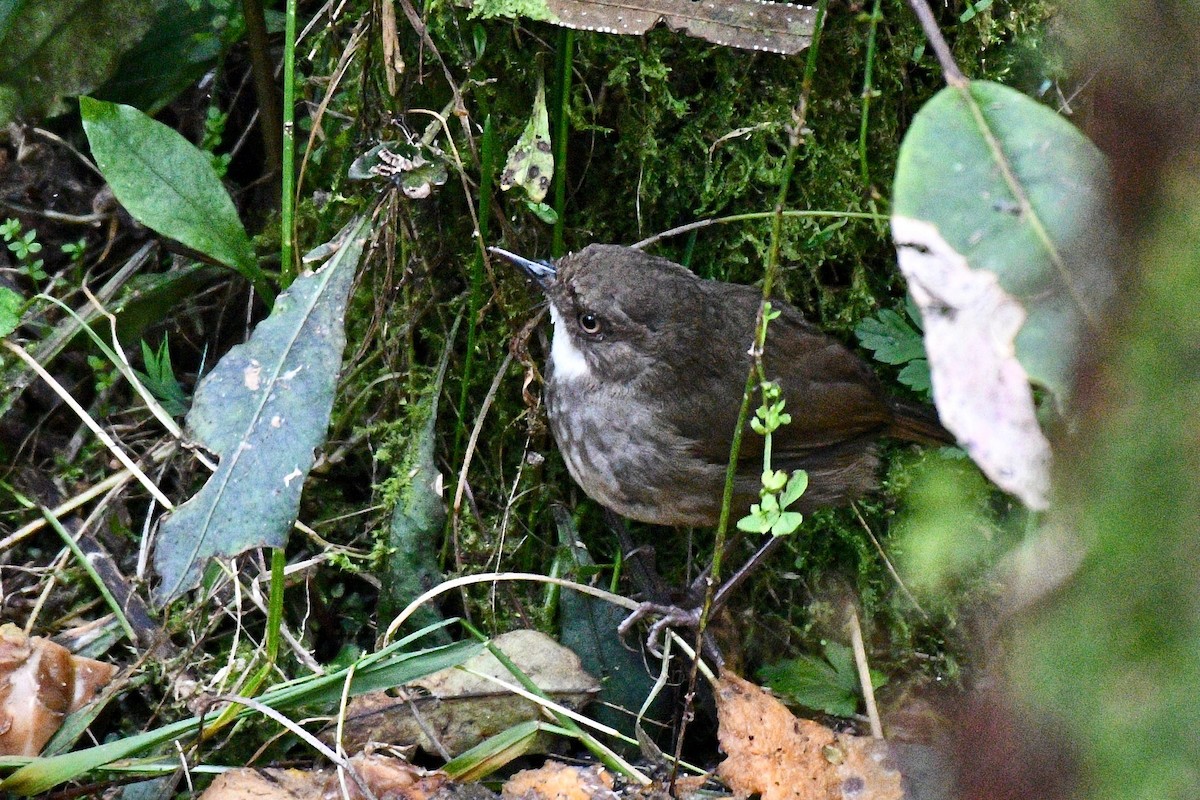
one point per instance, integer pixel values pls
(40, 683)
(414, 167)
(781, 757)
(531, 162)
(746, 24)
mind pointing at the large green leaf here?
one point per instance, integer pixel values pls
(168, 185)
(1015, 189)
(997, 221)
(53, 50)
(180, 46)
(263, 409)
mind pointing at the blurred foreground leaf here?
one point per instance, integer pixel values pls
(54, 50)
(1115, 655)
(180, 46)
(997, 212)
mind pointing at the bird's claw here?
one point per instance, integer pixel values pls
(668, 617)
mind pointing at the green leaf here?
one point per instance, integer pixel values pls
(999, 225)
(889, 336)
(263, 410)
(1016, 190)
(774, 480)
(813, 683)
(530, 162)
(168, 184)
(754, 522)
(830, 685)
(544, 212)
(159, 379)
(54, 50)
(414, 531)
(786, 523)
(915, 375)
(10, 310)
(182, 44)
(795, 487)
(496, 751)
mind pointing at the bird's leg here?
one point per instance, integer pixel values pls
(639, 561)
(721, 596)
(675, 616)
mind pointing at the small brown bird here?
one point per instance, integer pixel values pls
(644, 384)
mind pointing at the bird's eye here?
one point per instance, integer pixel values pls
(589, 323)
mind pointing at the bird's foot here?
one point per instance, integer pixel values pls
(669, 617)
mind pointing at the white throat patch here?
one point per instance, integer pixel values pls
(567, 359)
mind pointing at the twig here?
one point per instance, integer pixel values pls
(335, 81)
(950, 70)
(484, 577)
(704, 223)
(471, 442)
(864, 673)
(302, 734)
(101, 434)
(887, 562)
(114, 481)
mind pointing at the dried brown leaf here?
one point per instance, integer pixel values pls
(557, 781)
(780, 757)
(746, 24)
(392, 778)
(40, 683)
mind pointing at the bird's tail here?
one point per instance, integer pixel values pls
(916, 422)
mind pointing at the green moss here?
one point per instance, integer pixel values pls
(665, 130)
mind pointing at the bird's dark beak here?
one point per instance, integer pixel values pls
(541, 271)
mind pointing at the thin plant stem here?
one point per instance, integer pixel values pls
(864, 673)
(566, 58)
(751, 215)
(864, 167)
(772, 268)
(770, 273)
(953, 75)
(487, 169)
(287, 199)
(275, 604)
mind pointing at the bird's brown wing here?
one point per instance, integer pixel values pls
(833, 398)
